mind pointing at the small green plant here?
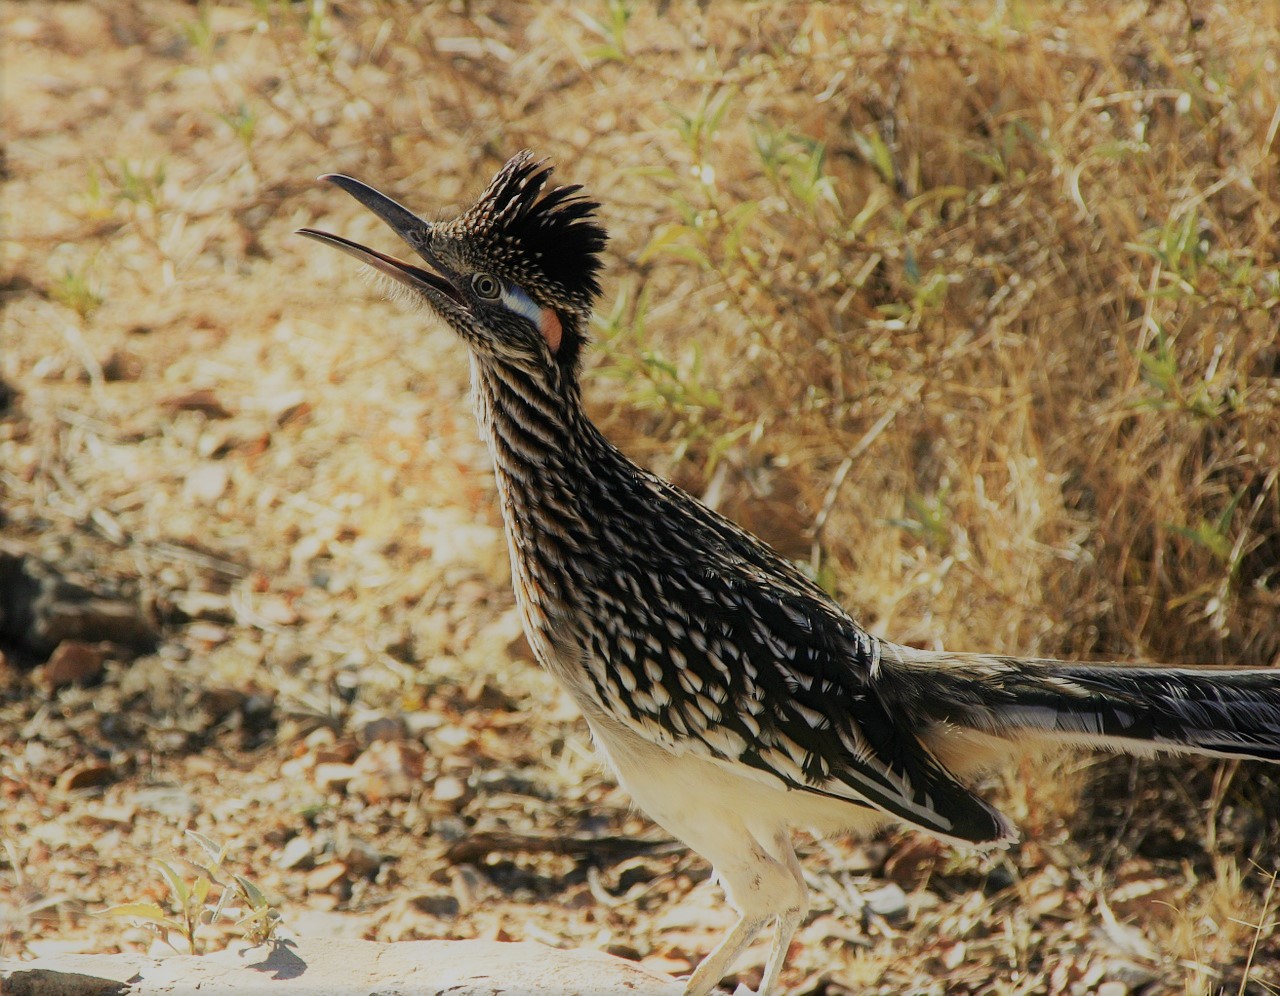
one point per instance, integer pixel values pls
(928, 517)
(798, 161)
(75, 290)
(655, 380)
(874, 150)
(243, 122)
(999, 156)
(199, 32)
(1215, 536)
(1179, 245)
(698, 127)
(93, 202)
(138, 183)
(1160, 370)
(189, 905)
(612, 28)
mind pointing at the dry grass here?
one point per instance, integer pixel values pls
(972, 307)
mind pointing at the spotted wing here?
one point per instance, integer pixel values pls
(753, 665)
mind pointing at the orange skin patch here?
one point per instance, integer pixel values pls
(552, 330)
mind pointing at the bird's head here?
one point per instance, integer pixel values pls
(514, 275)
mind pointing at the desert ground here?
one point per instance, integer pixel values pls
(969, 308)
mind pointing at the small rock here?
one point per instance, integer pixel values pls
(295, 768)
(419, 724)
(444, 906)
(375, 726)
(205, 605)
(122, 365)
(276, 610)
(361, 859)
(85, 775)
(167, 800)
(518, 649)
(204, 401)
(298, 853)
(72, 662)
(325, 877)
(889, 902)
(953, 956)
(448, 789)
(220, 702)
(387, 770)
(207, 632)
(206, 483)
(287, 407)
(111, 815)
(334, 775)
(344, 751)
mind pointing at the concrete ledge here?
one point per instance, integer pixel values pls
(339, 967)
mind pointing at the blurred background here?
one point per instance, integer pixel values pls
(970, 308)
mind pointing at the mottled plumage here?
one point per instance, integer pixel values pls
(731, 696)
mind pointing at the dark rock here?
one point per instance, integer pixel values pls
(72, 663)
(51, 982)
(40, 609)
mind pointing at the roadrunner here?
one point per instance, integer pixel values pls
(731, 697)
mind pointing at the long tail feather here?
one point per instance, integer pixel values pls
(1225, 712)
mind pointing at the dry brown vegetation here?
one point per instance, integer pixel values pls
(971, 307)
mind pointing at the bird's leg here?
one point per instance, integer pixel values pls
(789, 920)
(788, 924)
(770, 885)
(716, 965)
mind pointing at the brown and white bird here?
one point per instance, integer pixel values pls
(731, 696)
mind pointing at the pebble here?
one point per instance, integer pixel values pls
(297, 853)
(361, 859)
(72, 662)
(331, 775)
(325, 877)
(387, 770)
(375, 726)
(84, 775)
(888, 901)
(207, 483)
(167, 800)
(448, 789)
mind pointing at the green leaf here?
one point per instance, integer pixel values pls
(216, 854)
(665, 235)
(716, 108)
(691, 253)
(177, 887)
(200, 891)
(876, 152)
(251, 892)
(150, 912)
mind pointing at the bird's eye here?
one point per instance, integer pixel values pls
(486, 286)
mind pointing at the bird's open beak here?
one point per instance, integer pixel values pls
(404, 223)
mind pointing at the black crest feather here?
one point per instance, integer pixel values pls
(548, 234)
